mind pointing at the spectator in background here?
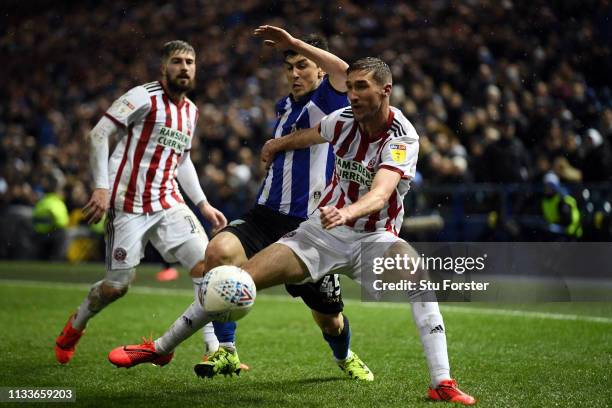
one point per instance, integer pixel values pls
(560, 209)
(507, 160)
(597, 157)
(50, 219)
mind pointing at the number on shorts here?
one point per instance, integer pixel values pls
(330, 286)
(194, 227)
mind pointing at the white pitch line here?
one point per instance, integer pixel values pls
(145, 290)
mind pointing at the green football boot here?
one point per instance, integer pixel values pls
(355, 368)
(223, 361)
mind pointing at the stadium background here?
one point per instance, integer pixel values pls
(500, 93)
(463, 71)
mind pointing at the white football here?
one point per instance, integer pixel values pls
(227, 293)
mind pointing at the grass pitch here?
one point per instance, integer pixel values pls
(537, 355)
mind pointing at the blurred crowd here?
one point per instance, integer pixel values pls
(499, 91)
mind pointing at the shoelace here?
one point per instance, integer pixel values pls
(443, 390)
(149, 340)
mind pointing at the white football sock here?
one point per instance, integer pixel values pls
(82, 316)
(192, 320)
(84, 313)
(348, 355)
(429, 321)
(197, 285)
(211, 343)
(231, 346)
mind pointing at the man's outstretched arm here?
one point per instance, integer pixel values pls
(334, 66)
(297, 140)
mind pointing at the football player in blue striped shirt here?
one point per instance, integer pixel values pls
(290, 192)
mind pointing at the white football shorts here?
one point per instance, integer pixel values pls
(340, 250)
(127, 235)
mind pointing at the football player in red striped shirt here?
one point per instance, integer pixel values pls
(136, 187)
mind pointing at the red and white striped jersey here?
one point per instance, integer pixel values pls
(358, 159)
(154, 134)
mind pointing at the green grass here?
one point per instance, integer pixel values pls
(534, 359)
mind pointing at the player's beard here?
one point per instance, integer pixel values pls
(175, 86)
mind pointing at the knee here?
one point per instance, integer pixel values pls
(111, 292)
(219, 252)
(330, 324)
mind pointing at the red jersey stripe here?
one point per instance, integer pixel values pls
(180, 118)
(330, 194)
(337, 131)
(392, 212)
(121, 166)
(151, 172)
(347, 141)
(169, 159)
(178, 157)
(188, 119)
(175, 188)
(340, 203)
(143, 140)
(353, 191)
(372, 220)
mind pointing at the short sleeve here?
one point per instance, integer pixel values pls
(327, 126)
(130, 107)
(400, 155)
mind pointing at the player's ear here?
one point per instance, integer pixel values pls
(387, 89)
(320, 73)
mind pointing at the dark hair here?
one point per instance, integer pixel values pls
(312, 39)
(382, 73)
(172, 47)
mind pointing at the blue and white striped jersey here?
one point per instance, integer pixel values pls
(296, 179)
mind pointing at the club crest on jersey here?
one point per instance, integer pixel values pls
(172, 138)
(398, 152)
(120, 254)
(372, 163)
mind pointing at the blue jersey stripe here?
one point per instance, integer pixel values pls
(276, 191)
(329, 170)
(300, 188)
(300, 174)
(268, 173)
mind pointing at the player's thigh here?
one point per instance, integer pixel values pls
(372, 249)
(126, 237)
(275, 265)
(179, 230)
(410, 269)
(225, 249)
